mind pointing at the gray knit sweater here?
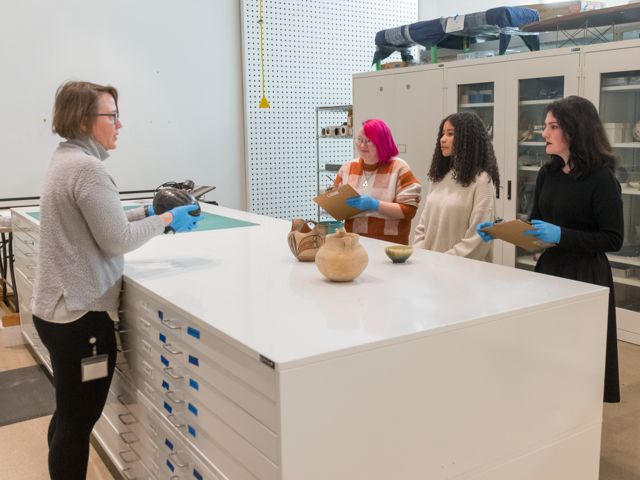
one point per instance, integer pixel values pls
(84, 233)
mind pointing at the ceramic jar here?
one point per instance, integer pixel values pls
(305, 240)
(342, 258)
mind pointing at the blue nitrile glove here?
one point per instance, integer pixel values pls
(183, 221)
(547, 232)
(486, 237)
(148, 210)
(364, 202)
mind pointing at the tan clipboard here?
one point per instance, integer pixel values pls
(334, 202)
(513, 232)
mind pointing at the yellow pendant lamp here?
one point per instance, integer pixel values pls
(264, 103)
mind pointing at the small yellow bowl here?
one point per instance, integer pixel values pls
(398, 253)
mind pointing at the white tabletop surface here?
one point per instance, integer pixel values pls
(247, 284)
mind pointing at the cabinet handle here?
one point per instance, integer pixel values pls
(169, 348)
(130, 435)
(145, 323)
(169, 371)
(124, 418)
(123, 400)
(169, 325)
(172, 419)
(509, 190)
(126, 474)
(174, 456)
(171, 395)
(135, 457)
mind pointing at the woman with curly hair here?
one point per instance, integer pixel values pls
(464, 177)
(577, 206)
(389, 192)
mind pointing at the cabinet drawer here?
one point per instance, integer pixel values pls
(126, 460)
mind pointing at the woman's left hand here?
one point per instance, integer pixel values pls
(364, 202)
(547, 232)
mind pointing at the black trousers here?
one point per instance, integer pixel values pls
(78, 404)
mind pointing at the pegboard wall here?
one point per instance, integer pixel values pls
(311, 50)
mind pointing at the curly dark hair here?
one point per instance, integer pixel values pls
(589, 147)
(472, 151)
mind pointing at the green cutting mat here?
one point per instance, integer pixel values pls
(210, 222)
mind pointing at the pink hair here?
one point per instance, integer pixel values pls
(378, 132)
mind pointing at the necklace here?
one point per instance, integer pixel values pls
(367, 178)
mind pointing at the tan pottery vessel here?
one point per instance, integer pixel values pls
(305, 241)
(342, 258)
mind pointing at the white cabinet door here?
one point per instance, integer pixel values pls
(411, 103)
(612, 83)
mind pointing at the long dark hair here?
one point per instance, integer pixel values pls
(589, 147)
(472, 151)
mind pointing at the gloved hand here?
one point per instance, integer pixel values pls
(486, 237)
(364, 202)
(547, 232)
(148, 210)
(183, 221)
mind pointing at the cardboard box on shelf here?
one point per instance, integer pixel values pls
(556, 9)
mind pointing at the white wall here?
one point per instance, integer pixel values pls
(428, 9)
(177, 66)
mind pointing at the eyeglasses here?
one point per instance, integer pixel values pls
(363, 141)
(114, 116)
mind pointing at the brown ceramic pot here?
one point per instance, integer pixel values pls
(304, 240)
(342, 258)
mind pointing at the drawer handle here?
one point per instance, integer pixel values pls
(127, 475)
(173, 420)
(121, 349)
(146, 323)
(176, 459)
(123, 400)
(148, 370)
(32, 266)
(128, 437)
(125, 418)
(149, 389)
(169, 371)
(169, 325)
(169, 348)
(133, 458)
(146, 346)
(171, 395)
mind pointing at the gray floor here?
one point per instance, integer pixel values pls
(620, 453)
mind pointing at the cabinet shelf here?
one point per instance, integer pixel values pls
(476, 105)
(626, 190)
(529, 168)
(532, 144)
(622, 88)
(635, 261)
(626, 145)
(541, 101)
(340, 137)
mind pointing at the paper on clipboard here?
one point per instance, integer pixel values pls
(334, 202)
(513, 232)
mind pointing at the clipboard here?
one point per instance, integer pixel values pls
(334, 201)
(513, 232)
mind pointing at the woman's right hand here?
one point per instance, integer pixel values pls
(182, 220)
(486, 237)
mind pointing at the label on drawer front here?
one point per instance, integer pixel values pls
(164, 360)
(168, 407)
(268, 362)
(165, 385)
(194, 360)
(162, 337)
(168, 443)
(160, 315)
(170, 465)
(192, 431)
(193, 409)
(195, 333)
(194, 384)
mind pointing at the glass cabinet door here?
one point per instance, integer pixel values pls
(534, 94)
(478, 98)
(620, 114)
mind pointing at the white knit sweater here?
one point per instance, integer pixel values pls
(84, 233)
(451, 213)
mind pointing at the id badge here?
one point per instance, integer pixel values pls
(94, 367)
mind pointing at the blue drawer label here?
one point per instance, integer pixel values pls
(168, 407)
(160, 315)
(171, 467)
(196, 474)
(168, 443)
(195, 333)
(164, 361)
(194, 384)
(165, 384)
(163, 338)
(192, 431)
(193, 409)
(194, 360)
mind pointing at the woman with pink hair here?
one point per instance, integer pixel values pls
(389, 191)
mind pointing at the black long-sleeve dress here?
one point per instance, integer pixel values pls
(588, 208)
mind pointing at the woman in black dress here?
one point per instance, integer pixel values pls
(578, 207)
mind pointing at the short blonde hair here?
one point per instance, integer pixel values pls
(75, 107)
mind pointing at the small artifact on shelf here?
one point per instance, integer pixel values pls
(304, 240)
(342, 258)
(636, 131)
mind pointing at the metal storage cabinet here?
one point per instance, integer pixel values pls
(244, 364)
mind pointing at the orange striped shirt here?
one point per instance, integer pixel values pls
(392, 182)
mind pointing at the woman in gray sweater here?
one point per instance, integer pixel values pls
(84, 233)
